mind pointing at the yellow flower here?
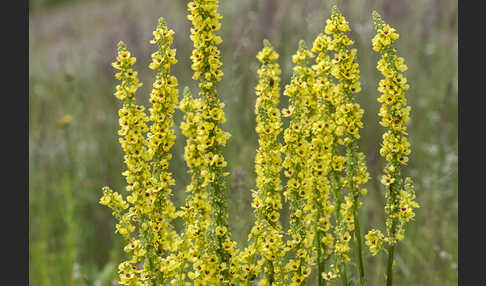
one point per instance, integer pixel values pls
(65, 121)
(387, 180)
(220, 230)
(374, 240)
(329, 276)
(274, 216)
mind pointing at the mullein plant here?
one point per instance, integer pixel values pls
(217, 262)
(319, 158)
(347, 122)
(267, 245)
(144, 217)
(161, 137)
(297, 150)
(324, 148)
(196, 210)
(394, 112)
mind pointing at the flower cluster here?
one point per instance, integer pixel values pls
(205, 57)
(130, 83)
(137, 155)
(161, 137)
(208, 141)
(374, 240)
(346, 122)
(147, 224)
(323, 154)
(323, 168)
(297, 150)
(394, 113)
(196, 211)
(267, 231)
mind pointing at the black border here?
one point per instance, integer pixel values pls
(471, 199)
(15, 135)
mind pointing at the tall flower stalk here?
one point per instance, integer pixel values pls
(196, 210)
(297, 150)
(161, 137)
(267, 202)
(146, 225)
(210, 137)
(395, 148)
(347, 118)
(323, 144)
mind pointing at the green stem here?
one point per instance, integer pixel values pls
(389, 275)
(271, 278)
(345, 278)
(336, 189)
(319, 262)
(323, 268)
(357, 233)
(70, 153)
(391, 249)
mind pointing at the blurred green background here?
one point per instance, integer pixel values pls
(71, 47)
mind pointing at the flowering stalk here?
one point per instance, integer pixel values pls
(297, 152)
(400, 195)
(196, 211)
(147, 163)
(348, 116)
(324, 143)
(163, 99)
(267, 232)
(210, 137)
(137, 155)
